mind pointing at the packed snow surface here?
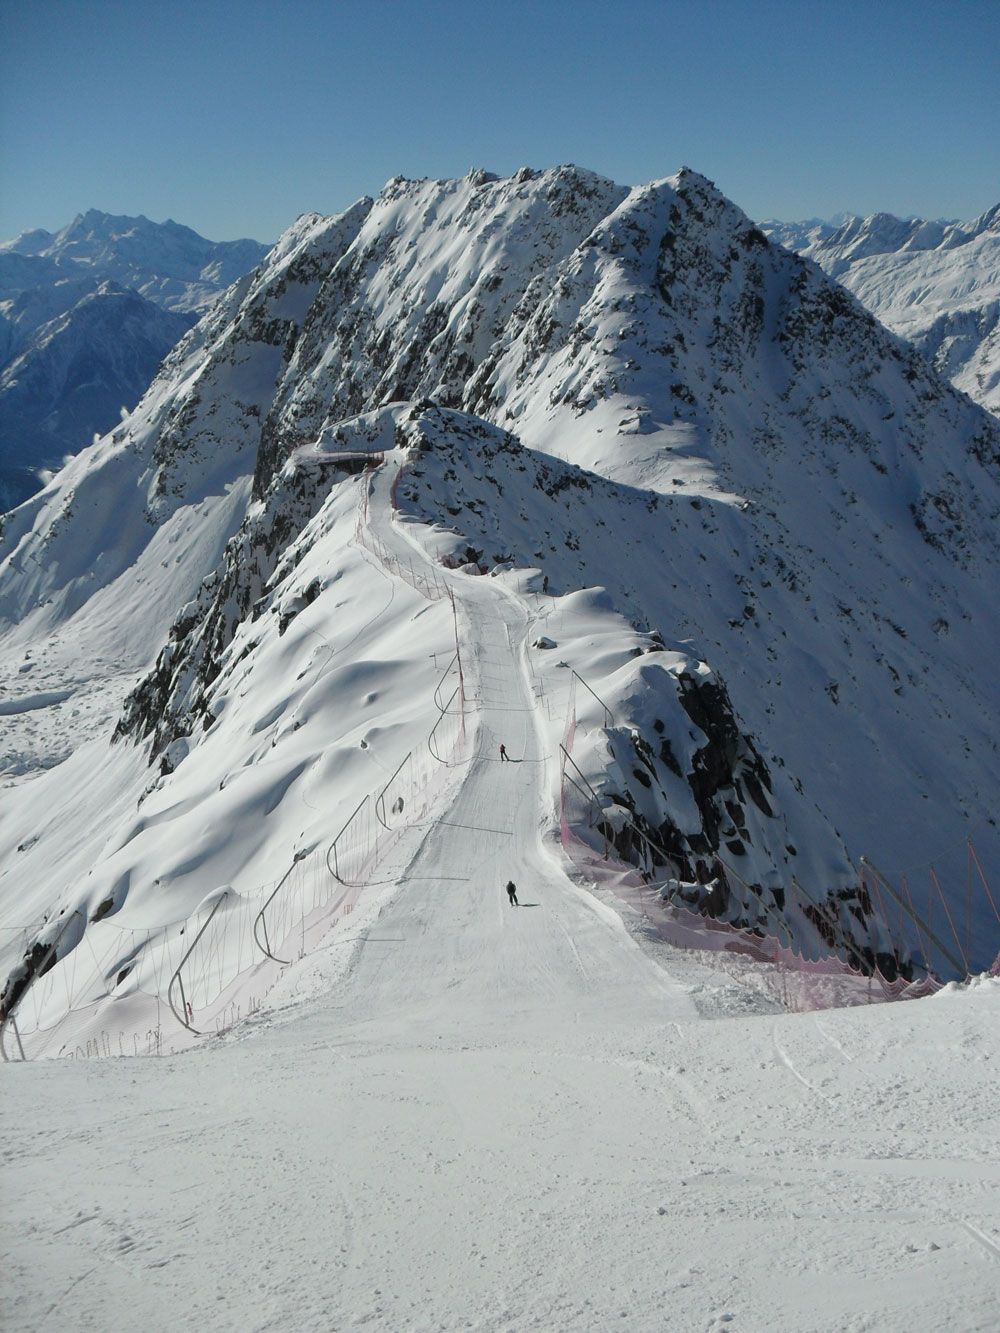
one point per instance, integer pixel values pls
(470, 1115)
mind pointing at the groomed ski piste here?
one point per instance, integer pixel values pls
(455, 1113)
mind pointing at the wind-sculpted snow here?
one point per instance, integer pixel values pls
(94, 568)
(934, 283)
(795, 510)
(275, 717)
(176, 696)
(718, 770)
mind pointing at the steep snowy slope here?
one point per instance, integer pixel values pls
(652, 334)
(94, 567)
(836, 678)
(192, 439)
(935, 283)
(86, 317)
(667, 341)
(795, 490)
(830, 638)
(285, 680)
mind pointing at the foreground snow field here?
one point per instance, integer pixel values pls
(459, 1137)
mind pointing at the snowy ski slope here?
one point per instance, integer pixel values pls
(450, 1112)
(462, 1114)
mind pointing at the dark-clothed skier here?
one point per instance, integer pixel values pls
(503, 754)
(512, 893)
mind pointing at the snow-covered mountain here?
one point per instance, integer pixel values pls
(935, 283)
(167, 263)
(75, 376)
(86, 316)
(806, 232)
(756, 523)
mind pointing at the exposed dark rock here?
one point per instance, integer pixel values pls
(175, 696)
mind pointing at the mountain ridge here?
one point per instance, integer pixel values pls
(814, 512)
(936, 283)
(167, 262)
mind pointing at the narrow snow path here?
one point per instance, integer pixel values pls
(508, 1119)
(474, 958)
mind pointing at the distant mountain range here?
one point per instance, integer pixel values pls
(86, 316)
(936, 283)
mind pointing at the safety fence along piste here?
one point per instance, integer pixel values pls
(610, 849)
(84, 989)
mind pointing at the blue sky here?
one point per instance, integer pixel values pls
(235, 117)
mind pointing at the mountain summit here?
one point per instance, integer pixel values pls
(167, 263)
(758, 526)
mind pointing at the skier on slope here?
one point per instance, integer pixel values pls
(512, 893)
(504, 756)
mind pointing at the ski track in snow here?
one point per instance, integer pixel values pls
(495, 1118)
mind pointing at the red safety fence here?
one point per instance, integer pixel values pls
(95, 989)
(781, 966)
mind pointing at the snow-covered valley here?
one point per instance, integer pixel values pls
(601, 476)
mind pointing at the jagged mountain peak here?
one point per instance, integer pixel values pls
(558, 182)
(169, 263)
(880, 233)
(651, 334)
(707, 455)
(988, 221)
(96, 226)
